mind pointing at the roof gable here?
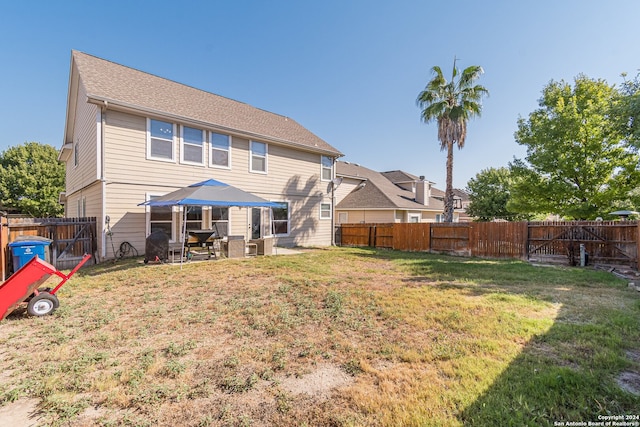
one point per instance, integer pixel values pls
(130, 88)
(378, 192)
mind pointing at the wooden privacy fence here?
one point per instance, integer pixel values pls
(604, 242)
(71, 238)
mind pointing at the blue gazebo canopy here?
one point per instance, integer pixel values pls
(211, 193)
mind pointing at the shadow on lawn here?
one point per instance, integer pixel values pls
(110, 266)
(576, 371)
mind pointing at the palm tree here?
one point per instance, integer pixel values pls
(451, 104)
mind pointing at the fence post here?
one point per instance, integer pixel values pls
(637, 260)
(372, 236)
(4, 242)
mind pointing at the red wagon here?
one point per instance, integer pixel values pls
(23, 285)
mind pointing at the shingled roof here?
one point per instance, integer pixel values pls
(379, 192)
(129, 88)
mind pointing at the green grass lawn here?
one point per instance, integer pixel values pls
(339, 336)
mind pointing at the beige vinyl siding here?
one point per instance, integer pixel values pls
(369, 216)
(127, 219)
(126, 162)
(93, 206)
(429, 216)
(346, 187)
(293, 176)
(86, 137)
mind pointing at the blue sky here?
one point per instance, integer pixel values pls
(349, 71)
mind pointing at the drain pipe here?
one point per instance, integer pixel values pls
(102, 149)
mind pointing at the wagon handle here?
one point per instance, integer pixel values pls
(66, 277)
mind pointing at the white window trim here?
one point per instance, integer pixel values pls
(183, 143)
(173, 143)
(210, 218)
(288, 220)
(266, 157)
(203, 220)
(323, 167)
(147, 217)
(76, 155)
(82, 207)
(330, 211)
(211, 150)
(414, 215)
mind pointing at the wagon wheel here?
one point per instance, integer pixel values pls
(42, 304)
(48, 291)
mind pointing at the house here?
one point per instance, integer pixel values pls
(131, 136)
(367, 196)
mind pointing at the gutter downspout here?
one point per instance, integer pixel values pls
(103, 122)
(333, 204)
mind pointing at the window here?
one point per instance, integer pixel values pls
(82, 207)
(343, 218)
(414, 218)
(76, 154)
(439, 217)
(220, 150)
(280, 219)
(194, 217)
(160, 140)
(327, 168)
(192, 146)
(258, 157)
(325, 210)
(161, 218)
(220, 220)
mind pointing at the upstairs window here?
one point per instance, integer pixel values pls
(160, 140)
(220, 150)
(258, 157)
(192, 146)
(327, 168)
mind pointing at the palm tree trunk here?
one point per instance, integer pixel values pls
(448, 194)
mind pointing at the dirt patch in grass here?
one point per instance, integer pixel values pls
(23, 412)
(319, 383)
(629, 382)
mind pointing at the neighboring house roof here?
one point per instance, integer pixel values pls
(464, 196)
(378, 192)
(399, 176)
(129, 88)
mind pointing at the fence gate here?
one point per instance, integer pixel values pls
(606, 242)
(71, 237)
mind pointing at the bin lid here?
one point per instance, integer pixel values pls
(20, 243)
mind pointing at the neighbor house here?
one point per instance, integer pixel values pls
(131, 136)
(367, 196)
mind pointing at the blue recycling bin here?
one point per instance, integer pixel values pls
(23, 250)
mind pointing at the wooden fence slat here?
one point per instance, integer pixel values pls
(71, 237)
(559, 241)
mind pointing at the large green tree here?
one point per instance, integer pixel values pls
(578, 162)
(489, 192)
(31, 179)
(451, 104)
(627, 112)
